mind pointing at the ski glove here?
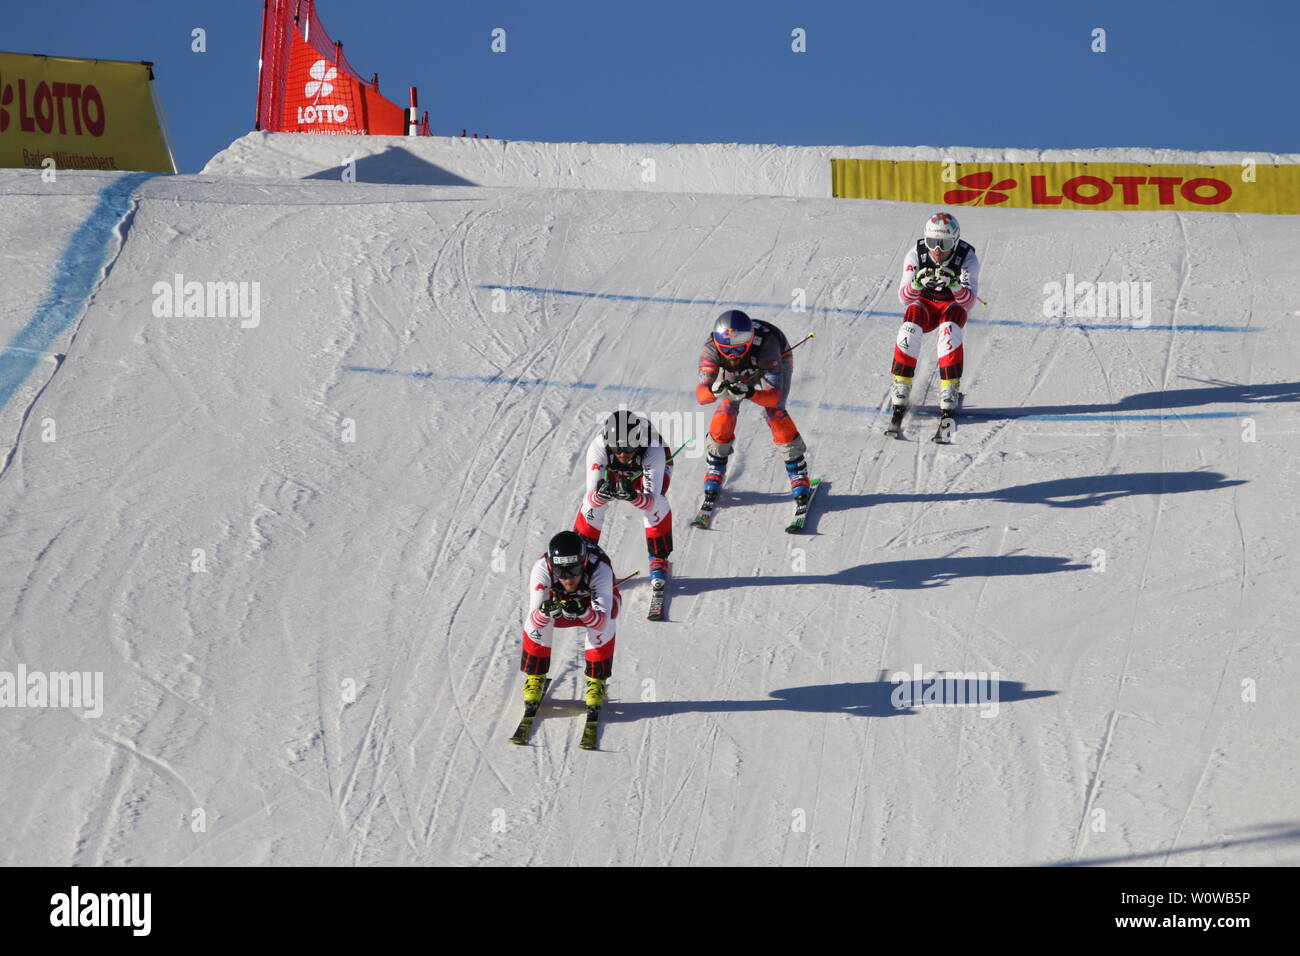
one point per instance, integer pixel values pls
(739, 390)
(571, 608)
(605, 491)
(922, 278)
(620, 489)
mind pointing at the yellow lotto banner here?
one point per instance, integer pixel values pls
(1249, 187)
(82, 114)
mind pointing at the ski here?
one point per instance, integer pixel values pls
(525, 729)
(801, 508)
(704, 517)
(658, 598)
(590, 728)
(947, 423)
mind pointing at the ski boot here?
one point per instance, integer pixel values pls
(949, 402)
(901, 391)
(714, 475)
(949, 395)
(595, 692)
(534, 686)
(798, 472)
(658, 588)
(898, 396)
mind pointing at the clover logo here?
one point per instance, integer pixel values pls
(322, 80)
(980, 186)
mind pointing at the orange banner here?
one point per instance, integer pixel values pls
(1249, 187)
(321, 98)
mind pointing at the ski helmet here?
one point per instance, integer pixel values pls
(733, 333)
(626, 431)
(942, 232)
(567, 554)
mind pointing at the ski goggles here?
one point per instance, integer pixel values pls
(567, 571)
(733, 344)
(947, 245)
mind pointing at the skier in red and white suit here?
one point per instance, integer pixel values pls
(939, 286)
(628, 461)
(572, 585)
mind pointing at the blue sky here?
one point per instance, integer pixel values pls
(1200, 74)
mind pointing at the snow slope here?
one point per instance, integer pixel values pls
(1100, 539)
(636, 167)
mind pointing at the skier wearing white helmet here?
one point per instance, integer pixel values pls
(939, 285)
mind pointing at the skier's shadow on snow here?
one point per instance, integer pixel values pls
(905, 575)
(1216, 393)
(395, 166)
(868, 699)
(1082, 492)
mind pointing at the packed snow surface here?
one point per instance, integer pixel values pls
(294, 542)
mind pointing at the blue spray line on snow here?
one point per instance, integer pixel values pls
(78, 269)
(832, 310)
(793, 403)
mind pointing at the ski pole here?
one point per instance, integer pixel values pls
(679, 448)
(749, 376)
(810, 335)
(754, 373)
(626, 579)
(666, 461)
